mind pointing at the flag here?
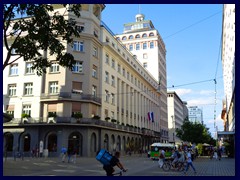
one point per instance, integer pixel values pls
(152, 117)
(149, 116)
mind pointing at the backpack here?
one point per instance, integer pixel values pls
(104, 157)
(178, 155)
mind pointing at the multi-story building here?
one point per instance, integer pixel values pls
(145, 43)
(108, 100)
(228, 66)
(195, 114)
(176, 115)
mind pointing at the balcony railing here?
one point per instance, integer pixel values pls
(73, 96)
(81, 121)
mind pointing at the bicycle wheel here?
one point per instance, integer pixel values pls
(166, 166)
(180, 166)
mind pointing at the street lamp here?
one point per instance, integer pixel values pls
(173, 127)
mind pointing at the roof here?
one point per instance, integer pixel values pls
(163, 145)
(225, 132)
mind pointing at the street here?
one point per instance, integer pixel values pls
(136, 165)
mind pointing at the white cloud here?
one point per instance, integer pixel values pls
(206, 92)
(181, 92)
(200, 101)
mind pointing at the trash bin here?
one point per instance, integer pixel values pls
(45, 153)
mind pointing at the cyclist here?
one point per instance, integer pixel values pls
(114, 162)
(175, 158)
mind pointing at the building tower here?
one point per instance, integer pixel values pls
(145, 43)
(195, 114)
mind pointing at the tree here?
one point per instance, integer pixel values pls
(33, 28)
(193, 132)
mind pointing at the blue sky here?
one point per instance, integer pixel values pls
(192, 35)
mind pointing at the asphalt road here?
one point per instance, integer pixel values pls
(136, 165)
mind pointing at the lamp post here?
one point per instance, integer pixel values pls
(173, 127)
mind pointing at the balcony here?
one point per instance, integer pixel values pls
(71, 96)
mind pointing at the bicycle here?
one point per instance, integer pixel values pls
(120, 173)
(179, 166)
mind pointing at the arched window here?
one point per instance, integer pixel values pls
(130, 37)
(124, 38)
(151, 34)
(144, 35)
(137, 36)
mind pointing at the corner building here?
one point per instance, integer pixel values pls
(108, 86)
(146, 44)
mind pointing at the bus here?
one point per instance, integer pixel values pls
(156, 147)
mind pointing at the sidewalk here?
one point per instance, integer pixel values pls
(137, 165)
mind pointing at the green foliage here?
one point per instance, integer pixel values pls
(200, 148)
(193, 132)
(77, 115)
(113, 120)
(107, 118)
(25, 115)
(52, 114)
(33, 28)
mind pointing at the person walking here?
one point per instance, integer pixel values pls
(189, 162)
(219, 153)
(215, 154)
(63, 153)
(161, 158)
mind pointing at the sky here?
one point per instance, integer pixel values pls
(192, 36)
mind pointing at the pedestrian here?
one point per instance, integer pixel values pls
(219, 153)
(182, 156)
(63, 153)
(114, 162)
(215, 154)
(74, 159)
(189, 162)
(161, 158)
(69, 153)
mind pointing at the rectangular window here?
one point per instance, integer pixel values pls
(12, 89)
(29, 69)
(27, 109)
(95, 51)
(151, 45)
(144, 45)
(76, 87)
(106, 77)
(113, 63)
(145, 65)
(54, 68)
(107, 59)
(28, 88)
(14, 69)
(128, 75)
(78, 46)
(112, 114)
(94, 71)
(145, 56)
(113, 99)
(137, 46)
(94, 91)
(123, 72)
(107, 96)
(130, 47)
(113, 81)
(53, 87)
(78, 67)
(119, 68)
